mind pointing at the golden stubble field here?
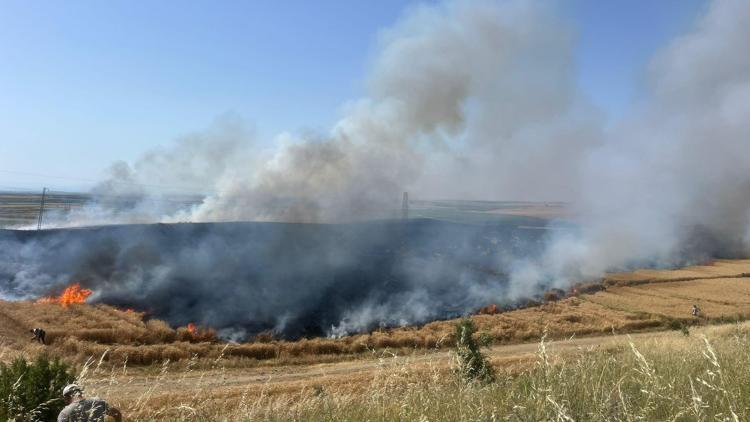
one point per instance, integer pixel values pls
(156, 372)
(646, 376)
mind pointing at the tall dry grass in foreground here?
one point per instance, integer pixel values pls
(704, 376)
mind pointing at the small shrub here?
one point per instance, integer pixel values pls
(472, 364)
(678, 325)
(33, 392)
(675, 324)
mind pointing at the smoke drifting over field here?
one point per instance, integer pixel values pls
(465, 100)
(672, 183)
(296, 279)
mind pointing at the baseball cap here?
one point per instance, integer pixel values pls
(71, 389)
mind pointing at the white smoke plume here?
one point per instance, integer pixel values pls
(465, 99)
(672, 183)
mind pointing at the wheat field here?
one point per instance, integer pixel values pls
(665, 376)
(158, 372)
(628, 302)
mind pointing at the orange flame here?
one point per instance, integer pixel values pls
(132, 311)
(194, 333)
(72, 294)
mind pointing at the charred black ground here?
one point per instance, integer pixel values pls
(296, 279)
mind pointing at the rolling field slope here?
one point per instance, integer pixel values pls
(156, 372)
(629, 302)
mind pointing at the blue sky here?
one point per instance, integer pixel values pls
(84, 83)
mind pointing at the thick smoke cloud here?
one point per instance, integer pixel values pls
(450, 85)
(671, 185)
(464, 100)
(160, 184)
(295, 279)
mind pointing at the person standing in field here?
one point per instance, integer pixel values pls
(81, 409)
(696, 311)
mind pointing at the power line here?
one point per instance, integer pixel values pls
(15, 188)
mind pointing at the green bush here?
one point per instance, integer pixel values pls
(675, 324)
(472, 364)
(33, 392)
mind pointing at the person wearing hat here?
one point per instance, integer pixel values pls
(81, 409)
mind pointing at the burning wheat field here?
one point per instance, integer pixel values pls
(531, 177)
(292, 279)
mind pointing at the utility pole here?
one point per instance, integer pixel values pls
(405, 206)
(41, 209)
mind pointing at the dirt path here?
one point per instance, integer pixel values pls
(132, 386)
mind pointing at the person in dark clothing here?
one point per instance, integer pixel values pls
(39, 335)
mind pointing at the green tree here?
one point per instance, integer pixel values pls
(33, 391)
(472, 364)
